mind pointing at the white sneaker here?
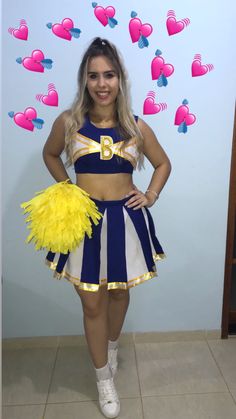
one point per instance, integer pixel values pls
(112, 359)
(108, 398)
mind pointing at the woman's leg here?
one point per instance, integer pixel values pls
(117, 307)
(104, 314)
(95, 309)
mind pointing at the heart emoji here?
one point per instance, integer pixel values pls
(33, 63)
(183, 115)
(136, 29)
(159, 67)
(24, 120)
(21, 33)
(174, 26)
(62, 29)
(103, 14)
(150, 107)
(51, 99)
(198, 69)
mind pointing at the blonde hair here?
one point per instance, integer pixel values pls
(127, 126)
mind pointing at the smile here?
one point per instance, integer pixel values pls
(102, 95)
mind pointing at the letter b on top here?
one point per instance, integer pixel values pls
(106, 147)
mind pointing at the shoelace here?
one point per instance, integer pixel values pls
(108, 392)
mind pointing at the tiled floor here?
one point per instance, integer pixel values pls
(174, 379)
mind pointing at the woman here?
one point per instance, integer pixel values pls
(105, 142)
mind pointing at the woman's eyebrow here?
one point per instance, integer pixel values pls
(104, 72)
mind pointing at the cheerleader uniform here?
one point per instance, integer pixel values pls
(123, 248)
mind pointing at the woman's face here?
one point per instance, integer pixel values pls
(102, 81)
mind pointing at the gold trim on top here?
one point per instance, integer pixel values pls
(91, 146)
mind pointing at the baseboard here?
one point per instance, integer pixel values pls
(126, 338)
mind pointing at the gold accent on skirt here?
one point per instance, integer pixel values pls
(160, 256)
(110, 285)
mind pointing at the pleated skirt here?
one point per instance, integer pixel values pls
(121, 253)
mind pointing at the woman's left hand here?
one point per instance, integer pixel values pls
(139, 200)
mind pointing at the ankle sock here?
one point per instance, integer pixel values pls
(103, 373)
(112, 344)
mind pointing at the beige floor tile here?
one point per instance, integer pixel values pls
(74, 377)
(233, 392)
(23, 412)
(177, 368)
(130, 409)
(26, 375)
(194, 406)
(126, 379)
(224, 352)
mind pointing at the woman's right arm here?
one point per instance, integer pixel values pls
(54, 147)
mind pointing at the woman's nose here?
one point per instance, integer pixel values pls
(101, 81)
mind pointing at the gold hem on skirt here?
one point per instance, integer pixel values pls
(110, 285)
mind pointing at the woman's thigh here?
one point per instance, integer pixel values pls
(119, 295)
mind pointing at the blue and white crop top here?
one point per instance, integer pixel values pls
(98, 150)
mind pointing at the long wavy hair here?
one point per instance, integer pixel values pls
(126, 124)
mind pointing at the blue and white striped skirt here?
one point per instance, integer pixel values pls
(120, 254)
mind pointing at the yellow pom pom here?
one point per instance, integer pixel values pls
(59, 217)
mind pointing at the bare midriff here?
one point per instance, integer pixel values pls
(105, 187)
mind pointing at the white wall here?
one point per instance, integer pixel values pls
(191, 215)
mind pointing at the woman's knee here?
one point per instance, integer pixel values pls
(93, 303)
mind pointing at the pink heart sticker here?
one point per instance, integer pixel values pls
(67, 23)
(159, 67)
(190, 119)
(62, 29)
(146, 29)
(173, 26)
(150, 107)
(136, 29)
(51, 99)
(103, 14)
(24, 120)
(198, 69)
(33, 63)
(21, 33)
(183, 115)
(110, 11)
